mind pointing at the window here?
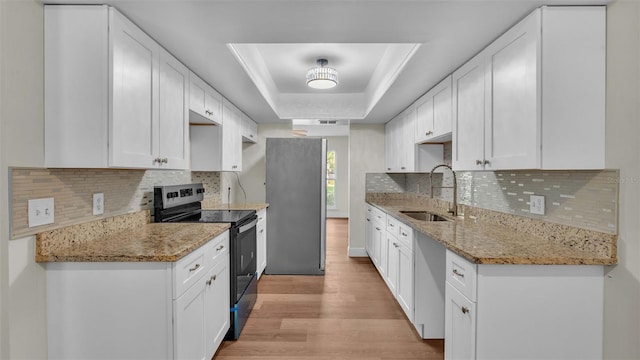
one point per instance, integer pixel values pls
(331, 179)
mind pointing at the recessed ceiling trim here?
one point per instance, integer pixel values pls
(368, 68)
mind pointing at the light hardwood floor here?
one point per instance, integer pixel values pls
(347, 314)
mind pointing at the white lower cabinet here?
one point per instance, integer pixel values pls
(399, 265)
(460, 325)
(261, 241)
(140, 310)
(523, 311)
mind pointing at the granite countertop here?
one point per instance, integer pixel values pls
(236, 206)
(489, 243)
(129, 240)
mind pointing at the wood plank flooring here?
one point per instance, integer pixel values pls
(347, 314)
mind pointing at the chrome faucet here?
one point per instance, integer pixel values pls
(453, 211)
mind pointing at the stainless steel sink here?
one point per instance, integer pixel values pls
(424, 216)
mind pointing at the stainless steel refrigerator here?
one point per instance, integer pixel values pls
(296, 217)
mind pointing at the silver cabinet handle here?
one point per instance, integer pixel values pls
(478, 162)
(402, 167)
(429, 133)
(388, 169)
(195, 267)
(211, 279)
(404, 234)
(262, 230)
(377, 228)
(486, 162)
(465, 310)
(456, 272)
(368, 220)
(220, 248)
(165, 160)
(157, 160)
(390, 224)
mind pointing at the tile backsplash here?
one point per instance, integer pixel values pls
(124, 191)
(582, 198)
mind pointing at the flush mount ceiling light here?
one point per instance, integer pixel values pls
(322, 77)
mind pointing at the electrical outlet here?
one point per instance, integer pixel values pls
(98, 203)
(536, 204)
(40, 211)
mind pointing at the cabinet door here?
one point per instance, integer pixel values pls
(216, 311)
(231, 138)
(390, 146)
(468, 115)
(204, 102)
(512, 134)
(459, 326)
(189, 323)
(133, 122)
(261, 238)
(174, 113)
(424, 119)
(376, 244)
(442, 108)
(406, 141)
(404, 287)
(392, 264)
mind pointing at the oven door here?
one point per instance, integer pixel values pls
(245, 261)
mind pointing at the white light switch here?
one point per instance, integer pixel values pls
(40, 212)
(536, 204)
(98, 203)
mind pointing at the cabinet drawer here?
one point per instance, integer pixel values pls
(462, 275)
(379, 216)
(188, 270)
(405, 236)
(217, 249)
(393, 226)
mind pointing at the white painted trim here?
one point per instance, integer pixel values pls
(357, 252)
(337, 214)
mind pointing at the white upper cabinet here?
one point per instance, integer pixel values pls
(249, 130)
(535, 97)
(218, 148)
(205, 103)
(433, 114)
(401, 152)
(113, 96)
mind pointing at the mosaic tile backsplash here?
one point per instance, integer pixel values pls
(584, 199)
(125, 191)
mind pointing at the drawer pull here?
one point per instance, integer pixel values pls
(429, 133)
(220, 248)
(195, 267)
(395, 245)
(368, 220)
(465, 310)
(390, 224)
(377, 228)
(262, 230)
(404, 234)
(478, 162)
(458, 273)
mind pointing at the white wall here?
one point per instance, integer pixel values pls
(340, 144)
(366, 154)
(253, 163)
(622, 282)
(23, 310)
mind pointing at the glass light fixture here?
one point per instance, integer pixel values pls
(322, 77)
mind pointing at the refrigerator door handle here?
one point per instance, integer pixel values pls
(323, 207)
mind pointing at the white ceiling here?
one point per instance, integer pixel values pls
(198, 32)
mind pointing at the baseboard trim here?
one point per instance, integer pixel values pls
(357, 252)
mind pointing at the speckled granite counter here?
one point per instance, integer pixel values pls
(236, 206)
(508, 240)
(125, 238)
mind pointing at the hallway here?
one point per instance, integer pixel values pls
(347, 314)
